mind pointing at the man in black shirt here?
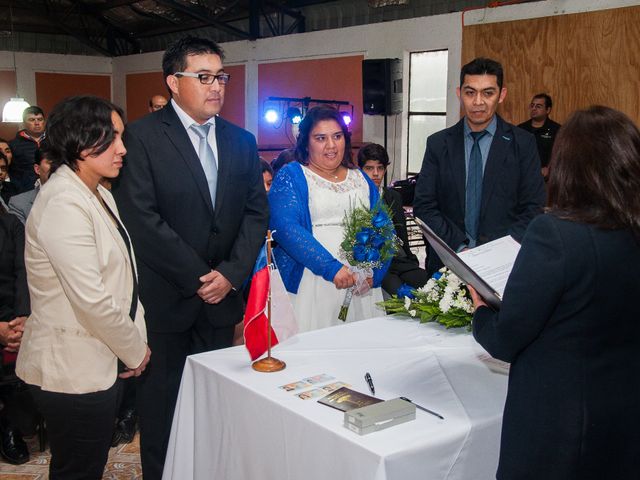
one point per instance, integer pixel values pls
(542, 127)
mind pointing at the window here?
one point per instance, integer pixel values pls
(427, 102)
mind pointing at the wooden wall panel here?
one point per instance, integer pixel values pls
(337, 78)
(579, 59)
(142, 86)
(53, 87)
(7, 90)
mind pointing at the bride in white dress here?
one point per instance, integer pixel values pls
(308, 203)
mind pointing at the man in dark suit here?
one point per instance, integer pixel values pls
(480, 179)
(405, 268)
(192, 196)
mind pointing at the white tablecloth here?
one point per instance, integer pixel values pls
(233, 423)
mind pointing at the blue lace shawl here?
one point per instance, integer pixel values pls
(291, 226)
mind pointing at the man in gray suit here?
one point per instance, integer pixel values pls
(20, 205)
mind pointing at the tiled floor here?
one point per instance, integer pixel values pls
(123, 463)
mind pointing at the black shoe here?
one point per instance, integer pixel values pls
(125, 428)
(12, 446)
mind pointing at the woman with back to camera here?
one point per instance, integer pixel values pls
(308, 200)
(84, 309)
(570, 318)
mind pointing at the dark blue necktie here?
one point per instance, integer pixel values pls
(474, 188)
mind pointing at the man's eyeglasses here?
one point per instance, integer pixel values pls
(206, 78)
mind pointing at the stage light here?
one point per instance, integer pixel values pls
(346, 118)
(271, 115)
(294, 115)
(12, 111)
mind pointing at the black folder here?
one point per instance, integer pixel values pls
(454, 263)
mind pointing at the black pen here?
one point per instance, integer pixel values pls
(423, 409)
(369, 380)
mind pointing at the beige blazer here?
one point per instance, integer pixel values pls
(80, 283)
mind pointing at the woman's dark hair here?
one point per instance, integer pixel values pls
(284, 157)
(265, 166)
(373, 151)
(595, 170)
(313, 116)
(76, 124)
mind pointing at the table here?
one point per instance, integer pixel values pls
(232, 423)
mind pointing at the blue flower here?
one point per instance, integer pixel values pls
(436, 276)
(364, 235)
(377, 241)
(359, 252)
(380, 219)
(405, 290)
(372, 255)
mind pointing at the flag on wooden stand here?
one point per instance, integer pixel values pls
(256, 322)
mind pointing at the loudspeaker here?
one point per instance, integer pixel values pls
(382, 86)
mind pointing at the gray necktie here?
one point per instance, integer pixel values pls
(474, 189)
(207, 159)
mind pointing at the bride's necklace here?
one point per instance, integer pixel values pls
(329, 175)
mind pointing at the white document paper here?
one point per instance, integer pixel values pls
(493, 261)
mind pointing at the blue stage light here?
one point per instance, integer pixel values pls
(346, 118)
(271, 115)
(294, 114)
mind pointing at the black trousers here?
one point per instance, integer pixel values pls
(157, 390)
(79, 427)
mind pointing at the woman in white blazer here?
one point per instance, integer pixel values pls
(85, 316)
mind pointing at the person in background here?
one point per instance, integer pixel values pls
(543, 128)
(157, 102)
(267, 174)
(24, 147)
(6, 149)
(405, 268)
(480, 179)
(7, 189)
(85, 314)
(20, 205)
(14, 309)
(308, 201)
(284, 157)
(568, 323)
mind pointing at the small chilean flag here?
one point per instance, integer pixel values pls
(256, 322)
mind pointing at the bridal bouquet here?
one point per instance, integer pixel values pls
(369, 241)
(444, 299)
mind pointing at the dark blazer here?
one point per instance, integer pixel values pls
(394, 200)
(164, 201)
(512, 189)
(569, 325)
(14, 293)
(8, 190)
(404, 267)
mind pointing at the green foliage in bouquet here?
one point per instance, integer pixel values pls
(444, 299)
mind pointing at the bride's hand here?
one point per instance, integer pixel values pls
(344, 278)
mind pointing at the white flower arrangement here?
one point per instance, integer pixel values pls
(444, 299)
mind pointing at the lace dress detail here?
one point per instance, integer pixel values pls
(318, 301)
